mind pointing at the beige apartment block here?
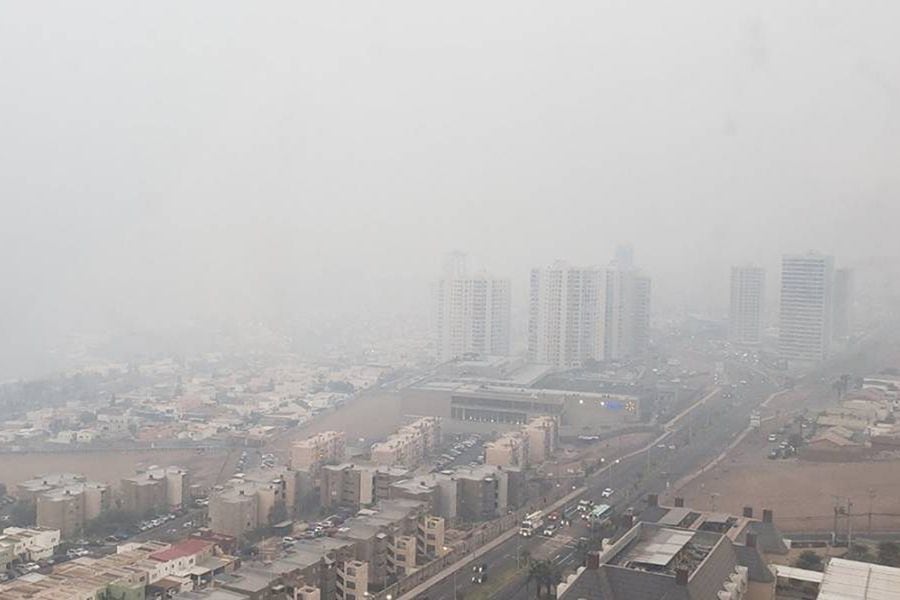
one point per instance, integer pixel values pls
(352, 580)
(410, 444)
(347, 484)
(69, 508)
(314, 452)
(543, 439)
(234, 511)
(530, 446)
(509, 450)
(430, 536)
(402, 554)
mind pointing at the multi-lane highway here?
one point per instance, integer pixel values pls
(689, 444)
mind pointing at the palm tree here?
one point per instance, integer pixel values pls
(537, 572)
(552, 577)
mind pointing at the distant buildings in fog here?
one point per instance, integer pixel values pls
(594, 313)
(576, 314)
(842, 322)
(816, 306)
(747, 302)
(471, 313)
(565, 315)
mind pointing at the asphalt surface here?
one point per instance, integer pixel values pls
(698, 438)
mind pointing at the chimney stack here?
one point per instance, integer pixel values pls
(652, 500)
(748, 512)
(681, 576)
(750, 540)
(679, 502)
(767, 515)
(593, 560)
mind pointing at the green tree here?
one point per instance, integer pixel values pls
(536, 573)
(889, 554)
(23, 514)
(859, 552)
(809, 560)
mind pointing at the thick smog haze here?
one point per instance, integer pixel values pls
(289, 162)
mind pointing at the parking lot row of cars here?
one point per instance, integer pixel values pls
(319, 529)
(455, 452)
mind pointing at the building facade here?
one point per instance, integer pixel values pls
(471, 314)
(410, 445)
(747, 303)
(565, 315)
(155, 490)
(625, 324)
(321, 449)
(805, 320)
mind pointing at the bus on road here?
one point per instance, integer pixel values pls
(600, 514)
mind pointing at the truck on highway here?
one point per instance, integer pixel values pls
(531, 524)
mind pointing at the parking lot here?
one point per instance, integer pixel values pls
(461, 450)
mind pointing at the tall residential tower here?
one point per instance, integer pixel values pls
(747, 301)
(472, 312)
(626, 311)
(806, 307)
(565, 315)
(593, 313)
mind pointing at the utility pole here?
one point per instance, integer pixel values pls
(871, 499)
(834, 529)
(849, 523)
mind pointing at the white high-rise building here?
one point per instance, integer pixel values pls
(747, 301)
(565, 315)
(806, 307)
(626, 311)
(640, 314)
(843, 303)
(472, 312)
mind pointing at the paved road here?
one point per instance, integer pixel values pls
(699, 437)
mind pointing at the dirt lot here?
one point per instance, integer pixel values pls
(372, 416)
(800, 492)
(109, 467)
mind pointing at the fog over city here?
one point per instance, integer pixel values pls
(407, 300)
(232, 160)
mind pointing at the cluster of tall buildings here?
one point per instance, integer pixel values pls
(575, 314)
(814, 306)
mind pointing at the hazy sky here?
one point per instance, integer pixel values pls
(163, 160)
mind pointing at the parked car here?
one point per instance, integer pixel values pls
(607, 492)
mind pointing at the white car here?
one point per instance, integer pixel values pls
(607, 492)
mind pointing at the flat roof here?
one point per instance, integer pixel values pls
(659, 547)
(853, 580)
(799, 574)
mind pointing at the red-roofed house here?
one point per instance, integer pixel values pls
(181, 557)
